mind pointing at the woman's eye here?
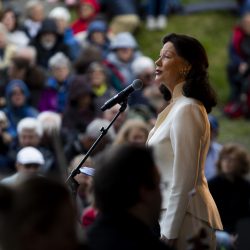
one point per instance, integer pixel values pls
(166, 56)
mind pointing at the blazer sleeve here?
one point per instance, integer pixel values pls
(186, 135)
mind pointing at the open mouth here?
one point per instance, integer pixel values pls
(158, 72)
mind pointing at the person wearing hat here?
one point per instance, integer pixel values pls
(17, 107)
(48, 42)
(98, 36)
(123, 51)
(28, 163)
(88, 10)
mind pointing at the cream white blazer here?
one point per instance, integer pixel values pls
(180, 140)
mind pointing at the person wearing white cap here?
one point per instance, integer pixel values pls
(28, 163)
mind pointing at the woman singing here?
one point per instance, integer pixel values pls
(180, 139)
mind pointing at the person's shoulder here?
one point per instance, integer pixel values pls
(10, 179)
(189, 106)
(188, 101)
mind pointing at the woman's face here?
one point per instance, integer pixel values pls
(37, 13)
(125, 54)
(98, 37)
(137, 136)
(17, 97)
(229, 164)
(60, 73)
(97, 77)
(9, 20)
(168, 67)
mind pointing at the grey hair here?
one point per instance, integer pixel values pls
(31, 124)
(60, 12)
(93, 129)
(50, 121)
(58, 60)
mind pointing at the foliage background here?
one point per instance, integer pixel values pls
(213, 29)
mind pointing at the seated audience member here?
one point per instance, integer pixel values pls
(35, 14)
(85, 140)
(16, 36)
(55, 94)
(87, 55)
(17, 96)
(41, 215)
(5, 145)
(23, 67)
(98, 35)
(123, 51)
(238, 70)
(133, 131)
(80, 108)
(29, 161)
(30, 132)
(128, 204)
(100, 84)
(230, 189)
(87, 11)
(48, 42)
(122, 15)
(62, 17)
(214, 148)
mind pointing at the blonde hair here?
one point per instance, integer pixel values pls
(127, 127)
(31, 4)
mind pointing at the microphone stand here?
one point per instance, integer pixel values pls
(70, 180)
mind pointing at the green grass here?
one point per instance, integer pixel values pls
(213, 29)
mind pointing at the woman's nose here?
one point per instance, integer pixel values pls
(158, 61)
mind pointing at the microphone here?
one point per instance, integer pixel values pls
(121, 96)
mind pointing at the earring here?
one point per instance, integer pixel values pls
(183, 73)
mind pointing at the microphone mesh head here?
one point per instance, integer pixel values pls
(137, 84)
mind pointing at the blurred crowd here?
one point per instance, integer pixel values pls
(58, 66)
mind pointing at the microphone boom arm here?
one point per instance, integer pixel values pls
(70, 180)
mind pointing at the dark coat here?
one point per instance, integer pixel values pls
(121, 232)
(43, 54)
(232, 199)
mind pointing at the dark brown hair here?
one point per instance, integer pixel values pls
(240, 154)
(197, 85)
